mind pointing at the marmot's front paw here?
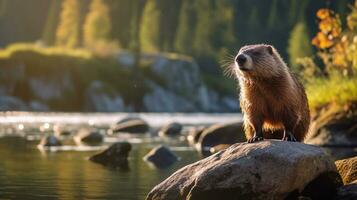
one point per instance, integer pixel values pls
(255, 139)
(289, 137)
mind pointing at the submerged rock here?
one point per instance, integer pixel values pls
(50, 141)
(334, 126)
(347, 169)
(221, 134)
(116, 156)
(171, 129)
(131, 126)
(262, 170)
(90, 137)
(161, 157)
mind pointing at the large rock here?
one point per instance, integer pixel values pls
(161, 157)
(262, 170)
(221, 134)
(116, 156)
(170, 129)
(131, 126)
(334, 126)
(347, 169)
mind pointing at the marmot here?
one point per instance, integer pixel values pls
(271, 98)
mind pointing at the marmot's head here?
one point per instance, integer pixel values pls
(259, 60)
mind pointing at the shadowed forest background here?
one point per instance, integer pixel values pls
(143, 55)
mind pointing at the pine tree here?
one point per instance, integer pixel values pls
(204, 28)
(299, 44)
(274, 15)
(49, 33)
(97, 25)
(185, 31)
(68, 30)
(149, 30)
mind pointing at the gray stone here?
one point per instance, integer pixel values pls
(131, 126)
(171, 129)
(116, 156)
(220, 134)
(161, 157)
(90, 137)
(263, 170)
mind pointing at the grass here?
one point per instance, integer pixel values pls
(336, 89)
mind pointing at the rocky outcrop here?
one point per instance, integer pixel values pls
(334, 126)
(170, 129)
(347, 169)
(168, 83)
(161, 157)
(116, 156)
(262, 170)
(102, 98)
(9, 103)
(220, 134)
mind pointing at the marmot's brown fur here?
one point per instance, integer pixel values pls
(272, 98)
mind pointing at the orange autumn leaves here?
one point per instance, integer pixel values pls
(337, 47)
(330, 29)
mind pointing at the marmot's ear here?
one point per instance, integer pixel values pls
(270, 49)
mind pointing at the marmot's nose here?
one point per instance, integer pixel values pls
(241, 59)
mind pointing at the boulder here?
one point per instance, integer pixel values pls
(161, 157)
(116, 156)
(221, 134)
(171, 129)
(131, 126)
(334, 126)
(90, 137)
(194, 134)
(268, 169)
(50, 141)
(347, 169)
(347, 192)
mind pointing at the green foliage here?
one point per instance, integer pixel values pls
(202, 40)
(49, 33)
(97, 24)
(299, 45)
(150, 27)
(68, 32)
(337, 89)
(185, 31)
